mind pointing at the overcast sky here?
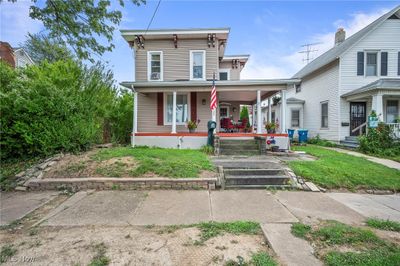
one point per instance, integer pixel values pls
(272, 32)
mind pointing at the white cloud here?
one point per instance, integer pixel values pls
(16, 23)
(285, 65)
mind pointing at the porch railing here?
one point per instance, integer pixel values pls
(360, 129)
(395, 127)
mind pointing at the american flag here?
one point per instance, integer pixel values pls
(213, 103)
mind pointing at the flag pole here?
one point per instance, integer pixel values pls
(214, 111)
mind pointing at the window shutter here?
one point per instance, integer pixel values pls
(384, 63)
(360, 63)
(193, 106)
(398, 64)
(160, 108)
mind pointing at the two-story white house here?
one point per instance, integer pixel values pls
(340, 88)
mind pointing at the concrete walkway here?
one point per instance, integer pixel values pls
(385, 162)
(275, 211)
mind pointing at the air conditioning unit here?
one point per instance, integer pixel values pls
(155, 76)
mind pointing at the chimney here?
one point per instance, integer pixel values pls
(340, 36)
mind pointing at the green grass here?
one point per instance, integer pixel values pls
(163, 162)
(300, 230)
(339, 170)
(117, 169)
(100, 258)
(384, 224)
(212, 229)
(257, 259)
(7, 252)
(366, 248)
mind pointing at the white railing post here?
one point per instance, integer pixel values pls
(259, 116)
(173, 131)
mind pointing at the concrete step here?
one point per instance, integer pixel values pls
(256, 180)
(349, 144)
(253, 172)
(351, 138)
(255, 186)
(239, 152)
(239, 145)
(237, 141)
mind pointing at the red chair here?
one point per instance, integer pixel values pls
(227, 124)
(242, 124)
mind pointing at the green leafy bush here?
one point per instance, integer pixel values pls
(321, 142)
(380, 141)
(59, 106)
(244, 113)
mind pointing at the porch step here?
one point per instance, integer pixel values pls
(352, 138)
(238, 147)
(350, 144)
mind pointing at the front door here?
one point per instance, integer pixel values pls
(358, 116)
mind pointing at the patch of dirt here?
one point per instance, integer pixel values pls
(82, 165)
(129, 245)
(207, 174)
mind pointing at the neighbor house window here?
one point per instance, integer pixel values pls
(273, 116)
(371, 64)
(324, 115)
(181, 108)
(155, 66)
(224, 74)
(295, 118)
(392, 111)
(298, 88)
(197, 64)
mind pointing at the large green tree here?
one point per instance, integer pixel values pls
(86, 26)
(41, 47)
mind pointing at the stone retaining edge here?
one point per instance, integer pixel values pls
(113, 183)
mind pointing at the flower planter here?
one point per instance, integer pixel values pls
(192, 130)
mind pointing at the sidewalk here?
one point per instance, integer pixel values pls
(385, 162)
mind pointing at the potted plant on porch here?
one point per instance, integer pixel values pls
(270, 127)
(192, 125)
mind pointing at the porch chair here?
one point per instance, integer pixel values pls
(242, 124)
(227, 124)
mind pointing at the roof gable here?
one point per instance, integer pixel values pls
(339, 49)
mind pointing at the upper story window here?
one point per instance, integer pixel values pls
(298, 88)
(224, 74)
(371, 64)
(155, 66)
(198, 64)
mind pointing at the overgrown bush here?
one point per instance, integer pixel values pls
(244, 114)
(59, 106)
(380, 141)
(321, 142)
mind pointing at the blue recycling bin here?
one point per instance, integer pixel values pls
(303, 135)
(291, 134)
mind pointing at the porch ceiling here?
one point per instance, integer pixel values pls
(240, 96)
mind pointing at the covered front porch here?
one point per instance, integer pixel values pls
(381, 96)
(162, 110)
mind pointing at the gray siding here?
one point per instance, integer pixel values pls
(234, 72)
(176, 60)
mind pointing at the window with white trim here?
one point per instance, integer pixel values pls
(295, 121)
(324, 115)
(371, 64)
(155, 66)
(182, 109)
(224, 74)
(198, 64)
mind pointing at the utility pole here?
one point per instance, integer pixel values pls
(308, 50)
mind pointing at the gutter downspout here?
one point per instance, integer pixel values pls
(134, 116)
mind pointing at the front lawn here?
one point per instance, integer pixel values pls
(161, 162)
(339, 170)
(338, 244)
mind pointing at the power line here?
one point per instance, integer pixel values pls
(308, 51)
(154, 14)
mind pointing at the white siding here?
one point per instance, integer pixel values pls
(384, 38)
(317, 88)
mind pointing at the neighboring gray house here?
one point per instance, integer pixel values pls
(22, 58)
(340, 88)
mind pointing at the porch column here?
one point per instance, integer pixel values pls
(283, 111)
(173, 131)
(259, 115)
(134, 118)
(269, 110)
(377, 105)
(253, 116)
